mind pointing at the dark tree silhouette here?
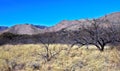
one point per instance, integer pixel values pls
(98, 35)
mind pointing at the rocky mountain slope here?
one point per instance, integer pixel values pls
(70, 25)
(113, 18)
(24, 29)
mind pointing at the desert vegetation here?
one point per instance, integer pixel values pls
(30, 57)
(97, 34)
(93, 47)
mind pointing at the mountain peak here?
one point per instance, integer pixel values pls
(24, 29)
(30, 29)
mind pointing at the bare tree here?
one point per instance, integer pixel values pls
(97, 35)
(47, 40)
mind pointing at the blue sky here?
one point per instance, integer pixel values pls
(51, 12)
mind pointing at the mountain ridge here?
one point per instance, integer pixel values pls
(2, 28)
(30, 29)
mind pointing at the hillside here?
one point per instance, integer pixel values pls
(113, 18)
(69, 25)
(24, 29)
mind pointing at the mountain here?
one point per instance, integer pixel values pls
(41, 27)
(69, 25)
(113, 18)
(2, 28)
(24, 29)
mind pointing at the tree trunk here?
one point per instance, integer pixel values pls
(102, 49)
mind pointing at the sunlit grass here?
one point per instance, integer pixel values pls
(77, 59)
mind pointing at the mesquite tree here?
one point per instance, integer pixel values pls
(98, 35)
(47, 39)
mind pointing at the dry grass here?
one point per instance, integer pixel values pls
(29, 58)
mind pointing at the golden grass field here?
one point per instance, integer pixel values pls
(29, 57)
